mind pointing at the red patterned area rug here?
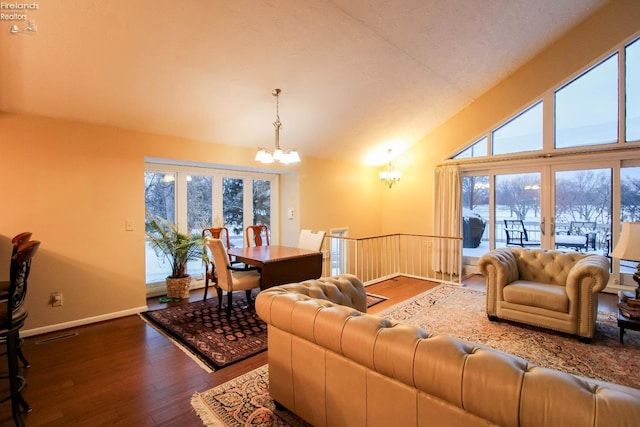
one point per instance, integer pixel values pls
(209, 337)
(460, 312)
(373, 299)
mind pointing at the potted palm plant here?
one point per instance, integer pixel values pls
(176, 248)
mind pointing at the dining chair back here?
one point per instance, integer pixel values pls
(228, 277)
(14, 315)
(18, 240)
(257, 235)
(221, 233)
(311, 240)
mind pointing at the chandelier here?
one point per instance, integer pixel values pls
(277, 155)
(390, 175)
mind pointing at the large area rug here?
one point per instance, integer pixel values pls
(210, 338)
(459, 312)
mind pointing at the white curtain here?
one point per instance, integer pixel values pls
(447, 216)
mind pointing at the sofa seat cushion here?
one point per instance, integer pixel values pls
(550, 297)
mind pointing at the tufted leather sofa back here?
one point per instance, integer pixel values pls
(334, 365)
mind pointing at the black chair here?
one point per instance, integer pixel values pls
(12, 317)
(16, 242)
(587, 229)
(517, 234)
(580, 235)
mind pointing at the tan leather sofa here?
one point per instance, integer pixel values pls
(552, 289)
(334, 365)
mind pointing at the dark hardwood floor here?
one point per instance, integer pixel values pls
(124, 373)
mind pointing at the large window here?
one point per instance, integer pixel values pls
(196, 198)
(566, 183)
(585, 112)
(586, 109)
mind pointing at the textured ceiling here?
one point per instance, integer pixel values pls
(355, 75)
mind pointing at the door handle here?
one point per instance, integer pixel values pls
(553, 226)
(542, 226)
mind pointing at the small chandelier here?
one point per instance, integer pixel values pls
(390, 175)
(286, 157)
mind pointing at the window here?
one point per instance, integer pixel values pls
(560, 197)
(339, 252)
(199, 205)
(632, 99)
(233, 209)
(195, 198)
(159, 195)
(523, 133)
(477, 149)
(261, 202)
(586, 109)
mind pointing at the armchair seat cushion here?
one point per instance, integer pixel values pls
(550, 297)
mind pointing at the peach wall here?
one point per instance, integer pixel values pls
(74, 185)
(409, 206)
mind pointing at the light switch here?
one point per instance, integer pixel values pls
(129, 225)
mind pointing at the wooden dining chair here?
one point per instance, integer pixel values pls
(311, 240)
(257, 235)
(229, 278)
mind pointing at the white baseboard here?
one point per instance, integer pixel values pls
(82, 322)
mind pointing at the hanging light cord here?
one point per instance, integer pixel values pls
(277, 124)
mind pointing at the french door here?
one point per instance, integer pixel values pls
(562, 206)
(197, 198)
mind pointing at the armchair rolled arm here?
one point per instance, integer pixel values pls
(500, 268)
(585, 280)
(589, 275)
(499, 265)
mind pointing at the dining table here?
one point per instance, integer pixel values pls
(280, 264)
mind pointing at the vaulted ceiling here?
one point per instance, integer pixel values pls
(355, 75)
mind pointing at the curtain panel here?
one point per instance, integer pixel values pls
(448, 219)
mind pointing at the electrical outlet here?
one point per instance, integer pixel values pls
(56, 299)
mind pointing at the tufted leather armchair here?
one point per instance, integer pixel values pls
(552, 289)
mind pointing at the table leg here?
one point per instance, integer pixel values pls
(621, 334)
